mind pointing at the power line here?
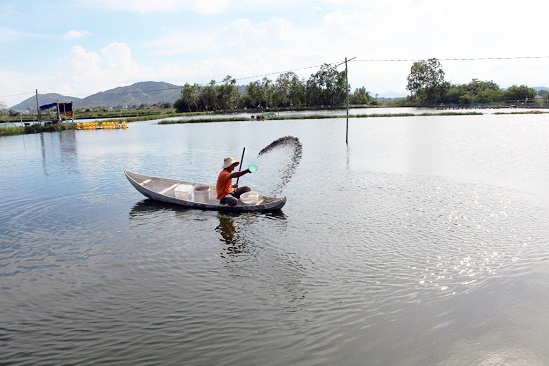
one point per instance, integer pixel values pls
(312, 67)
(278, 72)
(458, 59)
(15, 95)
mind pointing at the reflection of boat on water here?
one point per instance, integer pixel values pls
(148, 205)
(165, 190)
(238, 231)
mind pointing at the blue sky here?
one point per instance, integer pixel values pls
(79, 48)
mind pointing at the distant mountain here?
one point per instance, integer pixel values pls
(146, 92)
(391, 95)
(43, 99)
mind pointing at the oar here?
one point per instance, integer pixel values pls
(240, 166)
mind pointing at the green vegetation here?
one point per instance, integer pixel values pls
(140, 112)
(314, 116)
(429, 89)
(425, 81)
(323, 89)
(35, 128)
(522, 112)
(129, 115)
(12, 130)
(49, 127)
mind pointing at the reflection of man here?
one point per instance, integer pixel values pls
(227, 230)
(227, 192)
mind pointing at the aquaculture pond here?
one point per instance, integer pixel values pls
(423, 241)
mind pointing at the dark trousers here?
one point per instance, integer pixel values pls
(231, 199)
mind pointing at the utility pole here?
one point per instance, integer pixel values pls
(38, 108)
(347, 90)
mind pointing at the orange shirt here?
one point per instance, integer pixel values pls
(224, 184)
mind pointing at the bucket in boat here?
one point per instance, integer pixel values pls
(249, 198)
(201, 194)
(183, 192)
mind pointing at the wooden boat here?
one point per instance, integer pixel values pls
(164, 190)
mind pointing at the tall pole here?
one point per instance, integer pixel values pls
(240, 165)
(38, 108)
(347, 89)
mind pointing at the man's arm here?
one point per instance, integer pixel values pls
(239, 174)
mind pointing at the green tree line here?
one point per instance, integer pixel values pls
(325, 88)
(428, 88)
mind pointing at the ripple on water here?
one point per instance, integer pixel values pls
(415, 239)
(277, 289)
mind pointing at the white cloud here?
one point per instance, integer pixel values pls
(138, 6)
(16, 84)
(210, 6)
(87, 72)
(243, 43)
(205, 7)
(117, 55)
(76, 34)
(10, 35)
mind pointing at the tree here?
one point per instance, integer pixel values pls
(519, 93)
(208, 96)
(252, 96)
(258, 94)
(227, 94)
(426, 81)
(282, 89)
(189, 99)
(267, 90)
(326, 87)
(288, 90)
(360, 96)
(476, 92)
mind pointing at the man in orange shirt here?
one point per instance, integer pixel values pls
(227, 192)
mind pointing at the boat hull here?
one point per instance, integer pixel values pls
(163, 190)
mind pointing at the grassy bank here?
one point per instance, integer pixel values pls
(12, 130)
(522, 112)
(35, 128)
(313, 116)
(128, 115)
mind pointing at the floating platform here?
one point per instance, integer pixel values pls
(104, 125)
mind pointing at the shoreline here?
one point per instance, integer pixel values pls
(323, 116)
(35, 127)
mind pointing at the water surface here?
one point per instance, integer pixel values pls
(424, 241)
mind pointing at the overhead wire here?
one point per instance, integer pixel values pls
(457, 59)
(316, 66)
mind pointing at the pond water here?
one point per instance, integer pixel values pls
(424, 241)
